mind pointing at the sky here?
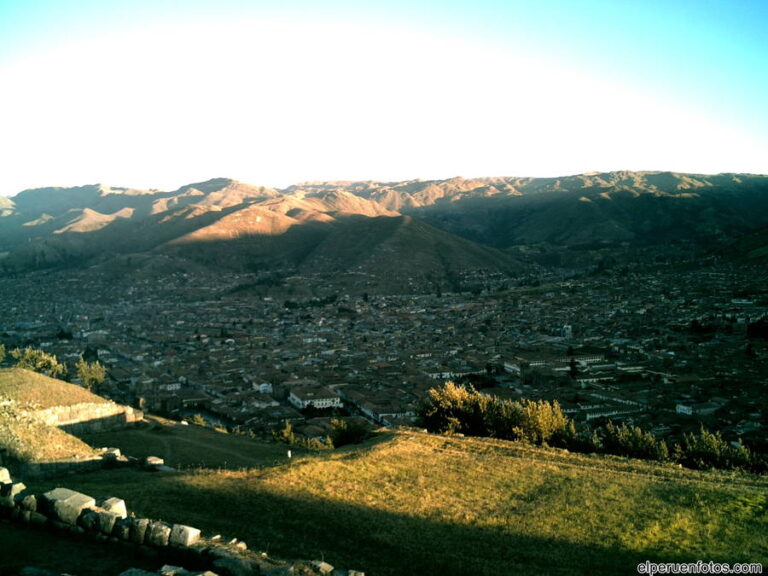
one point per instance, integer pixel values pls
(161, 93)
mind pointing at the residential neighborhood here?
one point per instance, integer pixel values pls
(663, 348)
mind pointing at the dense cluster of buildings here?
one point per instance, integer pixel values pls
(666, 349)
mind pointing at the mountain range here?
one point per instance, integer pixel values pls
(416, 231)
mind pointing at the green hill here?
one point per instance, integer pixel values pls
(414, 503)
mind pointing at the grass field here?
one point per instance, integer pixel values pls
(414, 503)
(30, 390)
(190, 446)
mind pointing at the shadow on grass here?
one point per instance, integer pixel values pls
(22, 546)
(381, 543)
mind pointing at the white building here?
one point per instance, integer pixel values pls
(315, 397)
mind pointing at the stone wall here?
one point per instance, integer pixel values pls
(89, 417)
(109, 521)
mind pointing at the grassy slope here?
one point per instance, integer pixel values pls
(24, 437)
(32, 390)
(422, 504)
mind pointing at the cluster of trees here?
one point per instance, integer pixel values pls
(342, 432)
(455, 409)
(91, 374)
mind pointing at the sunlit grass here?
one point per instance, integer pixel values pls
(417, 503)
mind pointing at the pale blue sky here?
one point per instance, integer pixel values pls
(159, 94)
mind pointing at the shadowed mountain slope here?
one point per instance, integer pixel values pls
(452, 226)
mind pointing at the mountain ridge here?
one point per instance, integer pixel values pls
(244, 226)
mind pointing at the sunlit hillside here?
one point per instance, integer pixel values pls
(412, 503)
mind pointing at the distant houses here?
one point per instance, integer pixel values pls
(319, 398)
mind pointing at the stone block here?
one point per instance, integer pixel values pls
(29, 502)
(106, 521)
(122, 529)
(89, 520)
(5, 476)
(139, 528)
(9, 492)
(322, 567)
(183, 536)
(158, 534)
(116, 506)
(66, 505)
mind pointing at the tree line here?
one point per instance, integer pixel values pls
(90, 374)
(455, 409)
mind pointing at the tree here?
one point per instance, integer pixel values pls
(345, 432)
(91, 374)
(2, 353)
(39, 361)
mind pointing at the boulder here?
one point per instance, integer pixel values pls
(107, 521)
(152, 461)
(9, 492)
(5, 476)
(122, 529)
(139, 528)
(66, 505)
(29, 502)
(183, 536)
(89, 520)
(116, 506)
(322, 567)
(158, 534)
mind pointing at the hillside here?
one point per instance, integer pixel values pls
(453, 227)
(27, 389)
(404, 504)
(24, 437)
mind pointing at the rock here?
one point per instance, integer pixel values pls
(158, 534)
(184, 535)
(322, 567)
(152, 461)
(169, 570)
(66, 505)
(139, 528)
(29, 502)
(5, 476)
(9, 492)
(89, 520)
(116, 506)
(122, 529)
(107, 521)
